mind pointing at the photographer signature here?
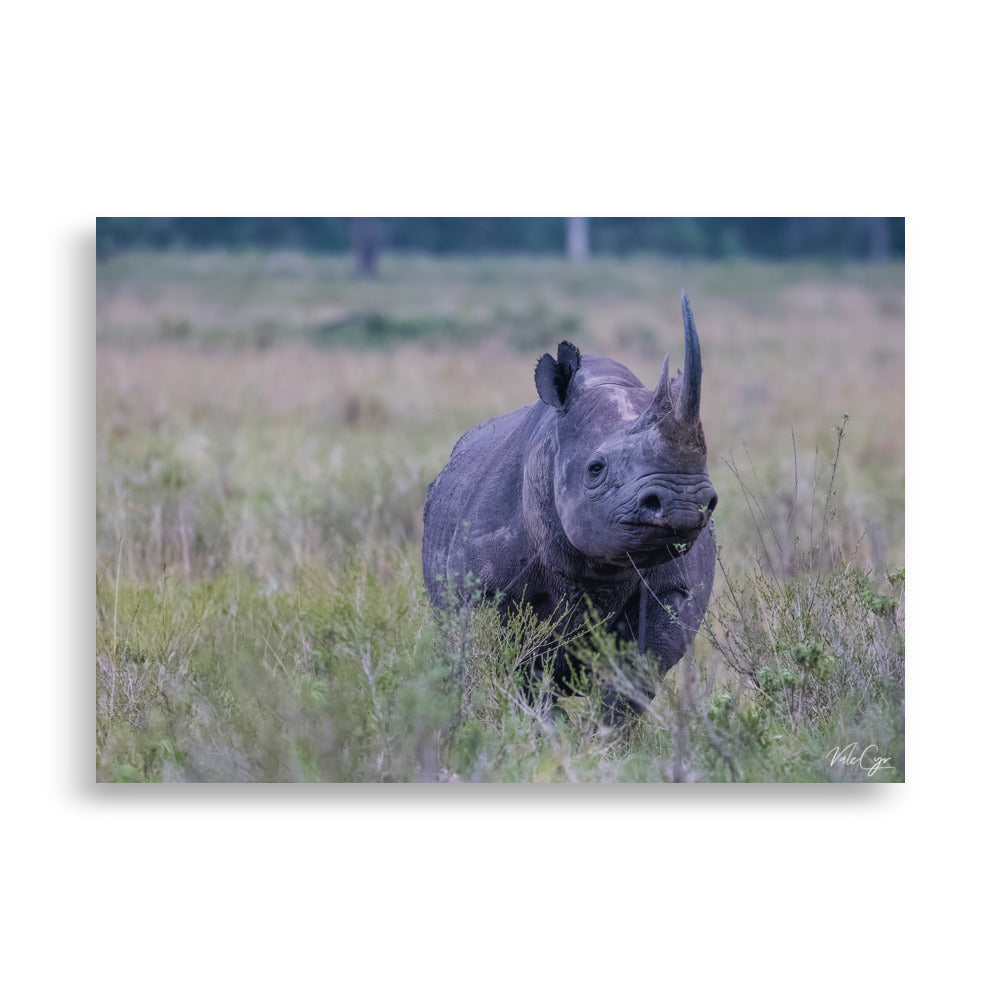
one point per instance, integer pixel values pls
(868, 760)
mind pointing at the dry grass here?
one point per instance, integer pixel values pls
(244, 431)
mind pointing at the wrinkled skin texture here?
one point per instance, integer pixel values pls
(598, 493)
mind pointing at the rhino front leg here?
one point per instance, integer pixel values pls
(657, 623)
(654, 623)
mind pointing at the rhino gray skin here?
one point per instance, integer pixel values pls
(599, 491)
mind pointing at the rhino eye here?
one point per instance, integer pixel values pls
(596, 468)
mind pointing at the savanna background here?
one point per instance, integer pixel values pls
(274, 396)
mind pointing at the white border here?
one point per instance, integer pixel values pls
(542, 109)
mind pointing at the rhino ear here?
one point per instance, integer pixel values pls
(552, 377)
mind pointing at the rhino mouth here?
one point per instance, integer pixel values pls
(651, 544)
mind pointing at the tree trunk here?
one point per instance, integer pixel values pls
(364, 243)
(577, 239)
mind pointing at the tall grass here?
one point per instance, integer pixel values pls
(814, 637)
(260, 480)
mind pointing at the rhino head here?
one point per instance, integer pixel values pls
(630, 483)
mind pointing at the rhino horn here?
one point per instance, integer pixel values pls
(690, 399)
(684, 403)
(660, 407)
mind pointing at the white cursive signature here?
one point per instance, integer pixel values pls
(867, 760)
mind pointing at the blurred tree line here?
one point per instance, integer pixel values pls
(710, 237)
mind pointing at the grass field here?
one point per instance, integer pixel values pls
(267, 428)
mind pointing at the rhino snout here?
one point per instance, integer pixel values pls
(659, 506)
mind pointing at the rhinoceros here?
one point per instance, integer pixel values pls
(595, 500)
